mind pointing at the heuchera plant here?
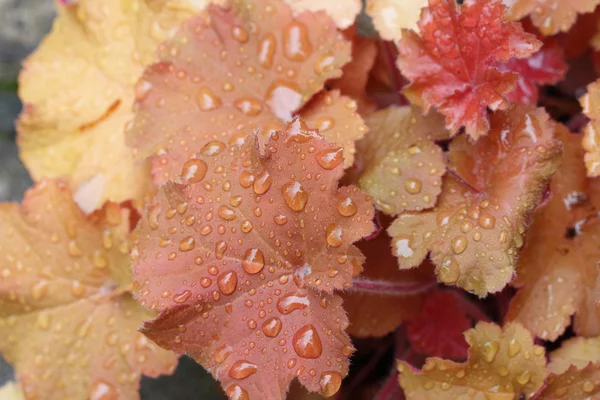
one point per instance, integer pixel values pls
(284, 194)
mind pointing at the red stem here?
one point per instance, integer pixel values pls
(392, 288)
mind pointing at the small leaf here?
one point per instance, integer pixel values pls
(453, 64)
(67, 322)
(557, 271)
(478, 225)
(403, 167)
(243, 260)
(502, 362)
(577, 351)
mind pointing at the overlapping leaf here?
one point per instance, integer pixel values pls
(390, 17)
(237, 69)
(476, 229)
(78, 91)
(243, 260)
(343, 12)
(549, 16)
(557, 270)
(453, 65)
(591, 141)
(67, 321)
(502, 362)
(403, 167)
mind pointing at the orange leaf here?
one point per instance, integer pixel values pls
(67, 321)
(503, 363)
(78, 92)
(550, 17)
(573, 384)
(269, 65)
(477, 227)
(591, 140)
(403, 167)
(453, 64)
(343, 12)
(390, 17)
(577, 351)
(557, 272)
(244, 257)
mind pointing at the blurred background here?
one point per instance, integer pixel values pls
(23, 24)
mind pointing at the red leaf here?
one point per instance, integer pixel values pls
(454, 65)
(243, 260)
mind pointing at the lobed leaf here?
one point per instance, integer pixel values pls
(243, 258)
(77, 90)
(550, 17)
(557, 272)
(403, 167)
(67, 321)
(503, 363)
(577, 351)
(390, 17)
(476, 229)
(237, 69)
(453, 64)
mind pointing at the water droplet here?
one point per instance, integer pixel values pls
(449, 272)
(490, 349)
(330, 158)
(272, 327)
(99, 259)
(194, 170)
(188, 243)
(240, 34)
(292, 302)
(246, 179)
(249, 106)
(588, 386)
(242, 369)
(262, 183)
(413, 186)
(334, 235)
(222, 353)
(296, 43)
(236, 392)
(346, 207)
(226, 213)
(459, 244)
(307, 342)
(324, 63)
(212, 148)
(182, 297)
(266, 50)
(227, 282)
(102, 390)
(294, 195)
(207, 100)
(39, 290)
(524, 378)
(514, 348)
(43, 320)
(254, 261)
(330, 383)
(486, 221)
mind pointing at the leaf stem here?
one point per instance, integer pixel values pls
(390, 288)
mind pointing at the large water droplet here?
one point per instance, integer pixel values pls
(213, 148)
(272, 327)
(307, 342)
(248, 106)
(514, 348)
(334, 235)
(490, 349)
(240, 34)
(294, 195)
(227, 282)
(330, 383)
(413, 186)
(296, 42)
(346, 207)
(242, 369)
(236, 392)
(194, 170)
(207, 100)
(459, 244)
(188, 243)
(486, 221)
(254, 261)
(226, 213)
(449, 271)
(39, 290)
(262, 183)
(325, 63)
(102, 390)
(292, 302)
(222, 352)
(266, 50)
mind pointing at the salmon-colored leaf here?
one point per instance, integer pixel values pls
(577, 351)
(403, 167)
(67, 320)
(77, 88)
(270, 64)
(390, 17)
(557, 271)
(438, 330)
(477, 227)
(243, 258)
(573, 384)
(591, 140)
(549, 16)
(343, 12)
(453, 65)
(502, 362)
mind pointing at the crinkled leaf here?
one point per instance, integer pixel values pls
(577, 351)
(391, 16)
(438, 330)
(591, 140)
(243, 258)
(343, 12)
(557, 271)
(549, 16)
(573, 384)
(67, 322)
(503, 363)
(477, 227)
(269, 65)
(403, 167)
(545, 67)
(382, 297)
(453, 65)
(78, 92)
